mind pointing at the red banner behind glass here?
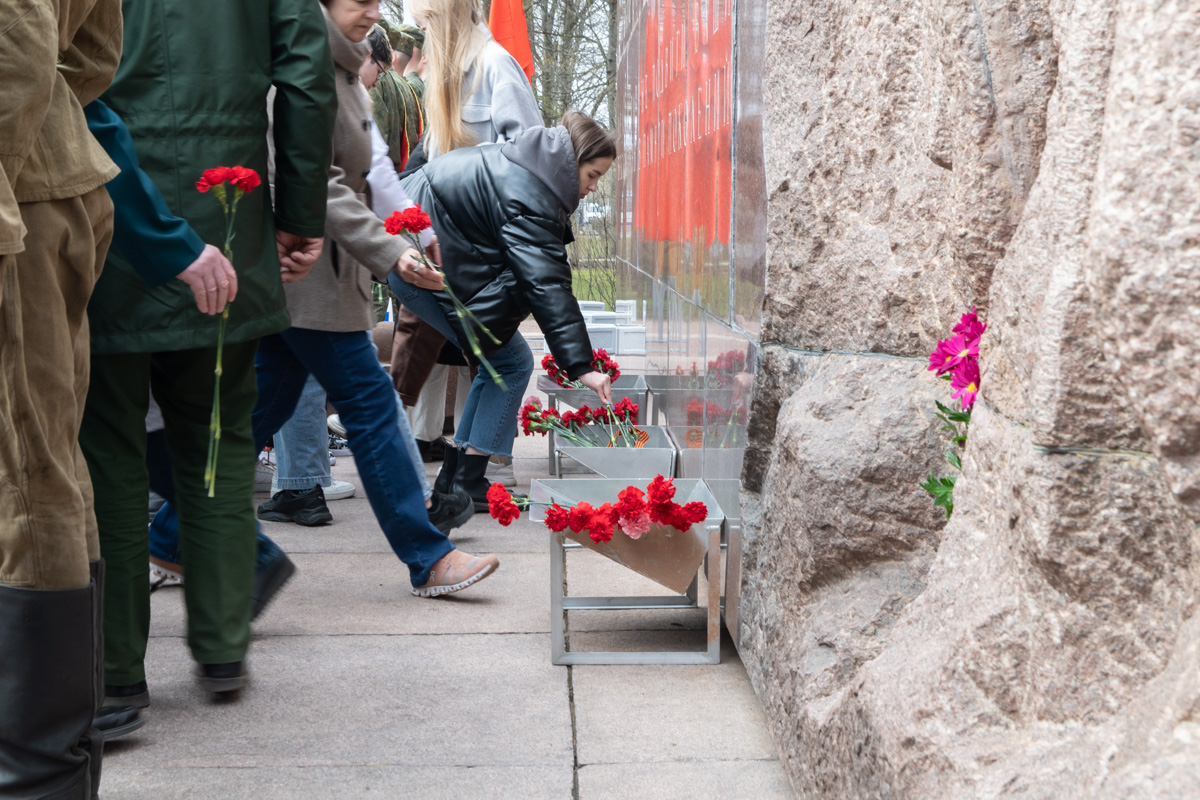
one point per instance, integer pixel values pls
(685, 114)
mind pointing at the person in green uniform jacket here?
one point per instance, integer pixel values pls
(394, 105)
(159, 246)
(192, 88)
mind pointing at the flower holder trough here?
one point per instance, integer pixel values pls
(631, 386)
(700, 459)
(655, 457)
(669, 557)
(670, 395)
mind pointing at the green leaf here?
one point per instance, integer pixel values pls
(942, 491)
(955, 459)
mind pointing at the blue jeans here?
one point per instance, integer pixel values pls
(164, 539)
(302, 443)
(346, 366)
(489, 418)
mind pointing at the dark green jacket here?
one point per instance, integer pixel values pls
(192, 89)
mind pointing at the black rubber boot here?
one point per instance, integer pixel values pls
(51, 683)
(447, 473)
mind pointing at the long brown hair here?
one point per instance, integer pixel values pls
(588, 139)
(450, 36)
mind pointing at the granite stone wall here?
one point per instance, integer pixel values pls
(1039, 159)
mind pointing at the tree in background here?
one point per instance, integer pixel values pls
(574, 46)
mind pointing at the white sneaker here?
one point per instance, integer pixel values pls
(163, 574)
(339, 490)
(263, 475)
(501, 474)
(335, 425)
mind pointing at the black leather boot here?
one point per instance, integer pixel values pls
(50, 687)
(447, 473)
(472, 479)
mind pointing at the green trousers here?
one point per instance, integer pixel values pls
(217, 534)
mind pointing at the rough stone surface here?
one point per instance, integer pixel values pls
(1144, 255)
(1040, 159)
(780, 373)
(901, 143)
(847, 536)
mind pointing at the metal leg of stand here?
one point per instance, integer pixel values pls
(714, 595)
(551, 402)
(558, 640)
(559, 604)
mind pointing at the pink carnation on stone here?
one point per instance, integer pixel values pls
(635, 528)
(965, 382)
(970, 326)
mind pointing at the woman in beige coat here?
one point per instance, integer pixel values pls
(331, 317)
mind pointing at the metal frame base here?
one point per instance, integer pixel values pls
(560, 604)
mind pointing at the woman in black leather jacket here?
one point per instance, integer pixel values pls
(501, 214)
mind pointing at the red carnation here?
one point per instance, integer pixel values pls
(694, 512)
(580, 517)
(415, 220)
(214, 176)
(600, 527)
(660, 491)
(631, 503)
(394, 224)
(501, 505)
(244, 178)
(557, 518)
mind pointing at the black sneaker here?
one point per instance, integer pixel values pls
(136, 695)
(301, 507)
(114, 722)
(222, 678)
(450, 511)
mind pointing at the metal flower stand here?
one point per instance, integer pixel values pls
(667, 556)
(631, 386)
(656, 457)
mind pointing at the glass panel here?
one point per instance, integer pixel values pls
(750, 202)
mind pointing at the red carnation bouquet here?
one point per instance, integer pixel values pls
(724, 368)
(633, 514)
(601, 362)
(243, 180)
(409, 223)
(609, 426)
(956, 359)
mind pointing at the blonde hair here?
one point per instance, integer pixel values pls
(450, 27)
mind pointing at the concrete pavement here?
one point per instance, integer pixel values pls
(361, 690)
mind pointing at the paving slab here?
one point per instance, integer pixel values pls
(641, 714)
(335, 783)
(362, 593)
(694, 780)
(444, 701)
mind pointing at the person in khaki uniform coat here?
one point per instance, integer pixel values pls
(55, 227)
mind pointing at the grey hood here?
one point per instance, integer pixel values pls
(547, 154)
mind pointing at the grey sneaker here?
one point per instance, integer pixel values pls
(456, 571)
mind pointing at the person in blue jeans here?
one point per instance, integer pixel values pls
(302, 475)
(509, 206)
